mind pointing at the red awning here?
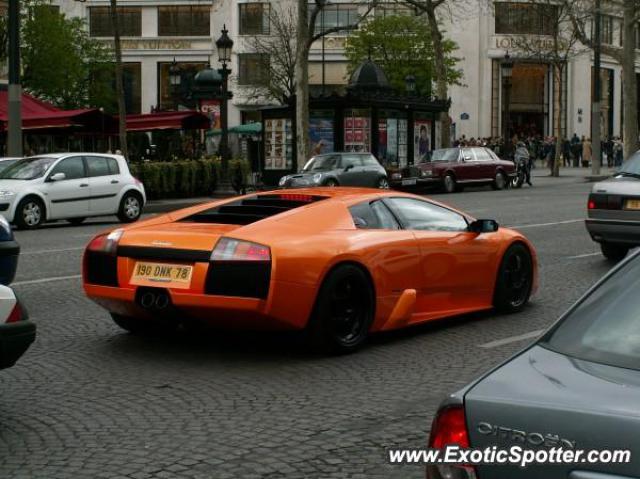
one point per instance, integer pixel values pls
(168, 120)
(39, 115)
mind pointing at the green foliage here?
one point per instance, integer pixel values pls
(238, 173)
(60, 59)
(177, 179)
(401, 45)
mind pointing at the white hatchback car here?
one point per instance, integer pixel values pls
(71, 186)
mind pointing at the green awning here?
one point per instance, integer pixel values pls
(246, 129)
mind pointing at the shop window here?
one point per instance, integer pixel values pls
(129, 21)
(357, 130)
(525, 18)
(253, 69)
(278, 142)
(392, 139)
(394, 9)
(321, 132)
(254, 18)
(184, 21)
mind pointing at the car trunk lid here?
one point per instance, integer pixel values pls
(543, 399)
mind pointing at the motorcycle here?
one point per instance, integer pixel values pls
(521, 172)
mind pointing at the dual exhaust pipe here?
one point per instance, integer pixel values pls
(156, 301)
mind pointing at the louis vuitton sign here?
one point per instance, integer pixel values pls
(156, 44)
(526, 43)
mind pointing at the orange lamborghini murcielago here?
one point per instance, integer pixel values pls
(338, 263)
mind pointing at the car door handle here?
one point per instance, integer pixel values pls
(114, 182)
(84, 185)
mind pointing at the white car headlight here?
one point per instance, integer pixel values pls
(317, 178)
(426, 173)
(396, 176)
(7, 194)
(283, 180)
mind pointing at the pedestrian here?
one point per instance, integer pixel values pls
(566, 152)
(586, 152)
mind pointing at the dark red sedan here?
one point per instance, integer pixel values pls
(453, 168)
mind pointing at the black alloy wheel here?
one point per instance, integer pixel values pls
(344, 311)
(515, 280)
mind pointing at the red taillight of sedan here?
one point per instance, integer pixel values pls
(450, 428)
(15, 315)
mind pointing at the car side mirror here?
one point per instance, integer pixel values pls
(483, 226)
(348, 167)
(57, 177)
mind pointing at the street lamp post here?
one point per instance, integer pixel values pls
(14, 134)
(174, 79)
(507, 71)
(224, 44)
(410, 84)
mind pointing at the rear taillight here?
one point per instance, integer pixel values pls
(16, 314)
(450, 428)
(229, 249)
(107, 243)
(591, 205)
(297, 197)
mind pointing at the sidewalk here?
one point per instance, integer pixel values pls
(576, 173)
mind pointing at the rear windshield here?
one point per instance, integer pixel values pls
(605, 326)
(445, 154)
(631, 167)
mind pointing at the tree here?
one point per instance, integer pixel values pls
(122, 109)
(402, 45)
(280, 48)
(306, 35)
(584, 13)
(559, 44)
(432, 8)
(59, 58)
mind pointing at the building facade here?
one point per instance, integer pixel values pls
(155, 33)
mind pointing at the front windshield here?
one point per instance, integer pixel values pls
(318, 163)
(27, 168)
(605, 327)
(631, 167)
(445, 154)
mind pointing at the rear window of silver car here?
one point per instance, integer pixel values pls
(605, 326)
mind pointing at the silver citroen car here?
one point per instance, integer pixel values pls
(577, 388)
(613, 217)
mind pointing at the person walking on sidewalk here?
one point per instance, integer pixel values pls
(586, 152)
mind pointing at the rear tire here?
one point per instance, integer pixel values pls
(500, 182)
(450, 183)
(614, 252)
(343, 312)
(130, 207)
(514, 281)
(30, 214)
(76, 221)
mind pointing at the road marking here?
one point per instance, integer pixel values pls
(46, 280)
(540, 225)
(44, 251)
(586, 255)
(512, 339)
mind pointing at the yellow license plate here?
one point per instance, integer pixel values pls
(165, 274)
(632, 205)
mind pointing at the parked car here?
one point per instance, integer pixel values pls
(453, 168)
(339, 169)
(9, 251)
(6, 162)
(16, 331)
(577, 387)
(613, 211)
(71, 186)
